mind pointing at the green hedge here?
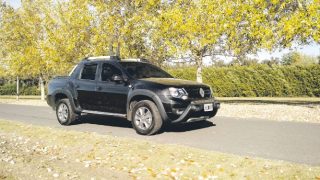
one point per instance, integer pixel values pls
(10, 89)
(258, 80)
(237, 81)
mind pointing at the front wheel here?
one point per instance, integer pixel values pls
(64, 112)
(146, 119)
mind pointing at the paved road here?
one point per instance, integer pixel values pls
(296, 142)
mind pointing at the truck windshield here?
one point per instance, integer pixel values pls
(74, 68)
(144, 70)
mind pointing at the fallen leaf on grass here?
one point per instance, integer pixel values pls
(151, 172)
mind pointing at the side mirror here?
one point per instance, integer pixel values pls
(117, 78)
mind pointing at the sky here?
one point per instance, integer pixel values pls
(14, 3)
(311, 49)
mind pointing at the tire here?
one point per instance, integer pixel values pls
(64, 112)
(146, 119)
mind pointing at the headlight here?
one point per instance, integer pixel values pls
(178, 93)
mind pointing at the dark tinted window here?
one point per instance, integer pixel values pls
(144, 70)
(89, 72)
(108, 71)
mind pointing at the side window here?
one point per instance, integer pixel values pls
(108, 71)
(89, 72)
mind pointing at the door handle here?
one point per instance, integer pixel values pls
(99, 88)
(77, 86)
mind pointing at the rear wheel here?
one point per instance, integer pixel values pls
(146, 119)
(64, 112)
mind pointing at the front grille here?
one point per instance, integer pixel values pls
(194, 93)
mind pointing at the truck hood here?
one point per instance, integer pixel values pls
(173, 82)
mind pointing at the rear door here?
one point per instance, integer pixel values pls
(85, 86)
(112, 94)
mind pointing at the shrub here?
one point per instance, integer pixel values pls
(258, 80)
(10, 89)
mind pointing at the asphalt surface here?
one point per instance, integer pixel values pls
(289, 141)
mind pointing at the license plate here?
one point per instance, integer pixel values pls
(208, 107)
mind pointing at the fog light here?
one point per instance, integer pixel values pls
(178, 111)
(196, 107)
(184, 97)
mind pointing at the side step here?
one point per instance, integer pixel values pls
(104, 113)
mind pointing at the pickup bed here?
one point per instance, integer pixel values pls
(133, 89)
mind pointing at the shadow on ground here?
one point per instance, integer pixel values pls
(104, 120)
(123, 123)
(188, 126)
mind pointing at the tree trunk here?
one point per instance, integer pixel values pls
(110, 49)
(199, 69)
(118, 49)
(18, 84)
(42, 88)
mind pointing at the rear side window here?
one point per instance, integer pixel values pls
(89, 72)
(108, 71)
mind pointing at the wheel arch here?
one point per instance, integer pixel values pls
(139, 95)
(62, 94)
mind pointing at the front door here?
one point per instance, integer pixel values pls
(112, 94)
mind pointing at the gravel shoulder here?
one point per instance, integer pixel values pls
(33, 152)
(271, 111)
(277, 112)
(31, 102)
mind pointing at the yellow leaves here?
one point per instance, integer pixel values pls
(151, 172)
(54, 35)
(229, 11)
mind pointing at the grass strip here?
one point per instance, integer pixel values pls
(29, 151)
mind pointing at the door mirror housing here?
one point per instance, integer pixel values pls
(125, 78)
(117, 78)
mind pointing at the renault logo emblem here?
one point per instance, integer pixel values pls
(201, 91)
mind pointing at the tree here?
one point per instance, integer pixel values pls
(45, 38)
(271, 62)
(70, 29)
(192, 28)
(298, 22)
(219, 63)
(239, 28)
(244, 61)
(125, 26)
(296, 58)
(291, 58)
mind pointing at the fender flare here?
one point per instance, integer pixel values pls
(149, 94)
(69, 96)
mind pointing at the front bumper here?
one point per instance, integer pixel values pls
(195, 111)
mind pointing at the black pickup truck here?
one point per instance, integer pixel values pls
(129, 88)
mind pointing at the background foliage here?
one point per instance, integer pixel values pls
(10, 89)
(257, 80)
(45, 38)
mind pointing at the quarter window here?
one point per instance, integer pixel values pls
(89, 72)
